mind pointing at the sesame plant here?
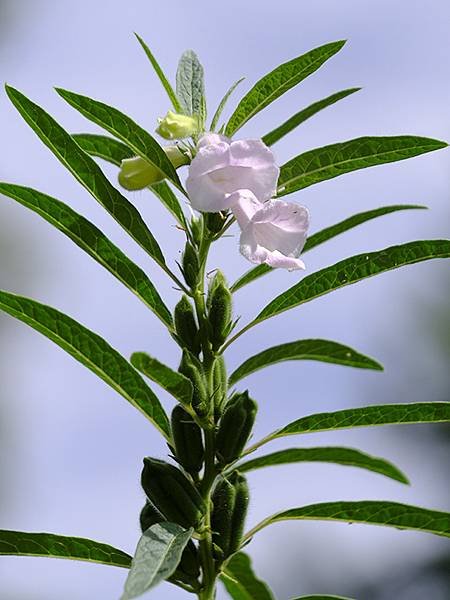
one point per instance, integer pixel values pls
(193, 520)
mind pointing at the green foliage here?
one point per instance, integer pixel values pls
(19, 543)
(157, 556)
(176, 384)
(322, 350)
(222, 104)
(241, 582)
(190, 85)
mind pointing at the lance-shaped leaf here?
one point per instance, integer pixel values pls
(86, 171)
(92, 351)
(19, 543)
(160, 73)
(115, 152)
(371, 512)
(88, 237)
(124, 128)
(354, 269)
(157, 556)
(279, 81)
(336, 455)
(321, 597)
(190, 85)
(175, 383)
(270, 138)
(241, 582)
(331, 161)
(223, 102)
(322, 350)
(366, 416)
(326, 234)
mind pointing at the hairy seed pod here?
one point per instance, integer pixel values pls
(186, 325)
(220, 311)
(241, 501)
(149, 516)
(235, 427)
(187, 437)
(190, 563)
(191, 368)
(197, 230)
(190, 265)
(172, 493)
(220, 386)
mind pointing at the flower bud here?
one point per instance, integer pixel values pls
(186, 325)
(235, 427)
(172, 493)
(190, 265)
(215, 221)
(220, 309)
(191, 368)
(188, 441)
(136, 173)
(175, 126)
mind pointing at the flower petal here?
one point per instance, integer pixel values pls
(244, 205)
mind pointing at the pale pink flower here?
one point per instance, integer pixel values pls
(273, 232)
(222, 167)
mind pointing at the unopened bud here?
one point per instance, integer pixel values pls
(175, 126)
(136, 173)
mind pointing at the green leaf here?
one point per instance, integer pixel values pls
(324, 235)
(270, 138)
(86, 171)
(341, 456)
(241, 582)
(160, 73)
(354, 269)
(124, 128)
(157, 556)
(92, 351)
(175, 383)
(88, 237)
(321, 597)
(331, 161)
(371, 512)
(277, 82)
(323, 350)
(366, 416)
(190, 85)
(222, 104)
(115, 152)
(19, 543)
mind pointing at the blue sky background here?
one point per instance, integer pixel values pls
(72, 448)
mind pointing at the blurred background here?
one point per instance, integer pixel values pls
(70, 448)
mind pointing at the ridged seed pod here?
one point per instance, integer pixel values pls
(186, 325)
(190, 265)
(219, 311)
(191, 368)
(240, 510)
(220, 386)
(172, 493)
(187, 437)
(149, 516)
(235, 427)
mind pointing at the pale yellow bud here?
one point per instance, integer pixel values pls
(136, 173)
(175, 126)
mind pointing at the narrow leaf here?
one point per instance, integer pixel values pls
(341, 456)
(19, 543)
(277, 82)
(157, 556)
(371, 512)
(176, 384)
(160, 73)
(241, 582)
(331, 161)
(322, 350)
(190, 85)
(86, 171)
(218, 113)
(324, 235)
(123, 127)
(92, 351)
(88, 237)
(115, 152)
(354, 269)
(274, 136)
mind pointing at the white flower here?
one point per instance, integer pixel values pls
(273, 232)
(222, 167)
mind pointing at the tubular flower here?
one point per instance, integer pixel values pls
(273, 232)
(222, 167)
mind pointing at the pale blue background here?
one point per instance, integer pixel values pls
(71, 447)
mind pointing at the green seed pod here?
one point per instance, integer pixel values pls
(149, 516)
(172, 493)
(191, 368)
(186, 325)
(220, 311)
(190, 563)
(215, 221)
(241, 501)
(235, 427)
(190, 265)
(187, 437)
(197, 230)
(220, 386)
